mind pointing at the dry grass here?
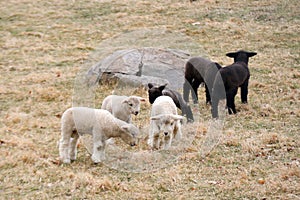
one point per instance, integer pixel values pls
(44, 45)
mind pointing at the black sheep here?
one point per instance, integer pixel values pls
(156, 91)
(199, 70)
(229, 79)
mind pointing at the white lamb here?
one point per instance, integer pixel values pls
(101, 124)
(164, 123)
(122, 106)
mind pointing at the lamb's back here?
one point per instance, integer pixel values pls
(163, 105)
(112, 102)
(86, 119)
(198, 65)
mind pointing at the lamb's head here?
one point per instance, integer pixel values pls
(166, 122)
(129, 134)
(155, 91)
(133, 104)
(241, 55)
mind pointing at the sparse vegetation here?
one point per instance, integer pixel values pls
(44, 45)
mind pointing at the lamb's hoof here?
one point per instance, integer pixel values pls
(96, 160)
(73, 157)
(154, 148)
(190, 121)
(66, 161)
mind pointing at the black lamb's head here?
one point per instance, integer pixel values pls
(155, 91)
(242, 56)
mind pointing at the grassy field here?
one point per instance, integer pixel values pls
(44, 45)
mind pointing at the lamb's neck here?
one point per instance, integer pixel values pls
(242, 63)
(118, 129)
(242, 60)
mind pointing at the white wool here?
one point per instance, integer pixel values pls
(122, 107)
(101, 124)
(165, 123)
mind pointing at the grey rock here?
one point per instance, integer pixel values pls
(136, 81)
(145, 65)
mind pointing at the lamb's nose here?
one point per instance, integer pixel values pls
(132, 144)
(166, 133)
(136, 112)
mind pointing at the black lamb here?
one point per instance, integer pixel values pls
(156, 91)
(199, 70)
(229, 79)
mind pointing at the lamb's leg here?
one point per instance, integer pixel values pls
(73, 146)
(64, 145)
(207, 94)
(156, 141)
(187, 111)
(230, 101)
(177, 131)
(167, 141)
(186, 90)
(219, 92)
(98, 152)
(195, 85)
(98, 148)
(151, 135)
(233, 104)
(244, 91)
(150, 141)
(214, 107)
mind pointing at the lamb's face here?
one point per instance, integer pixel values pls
(133, 104)
(130, 134)
(154, 92)
(166, 126)
(166, 123)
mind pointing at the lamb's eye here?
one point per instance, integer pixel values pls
(172, 123)
(130, 104)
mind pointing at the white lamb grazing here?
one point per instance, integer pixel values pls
(122, 106)
(164, 123)
(101, 124)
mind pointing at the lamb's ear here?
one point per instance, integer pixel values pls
(231, 54)
(218, 65)
(125, 127)
(150, 85)
(125, 101)
(250, 54)
(142, 99)
(161, 88)
(166, 93)
(157, 117)
(177, 117)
